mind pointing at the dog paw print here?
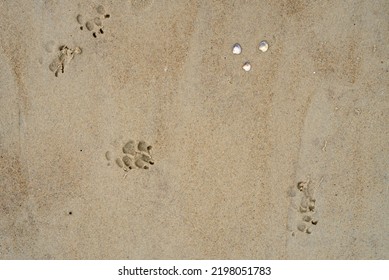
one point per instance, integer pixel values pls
(306, 207)
(134, 155)
(263, 46)
(94, 24)
(64, 57)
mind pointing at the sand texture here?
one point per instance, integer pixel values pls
(128, 129)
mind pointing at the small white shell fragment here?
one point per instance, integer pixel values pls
(236, 49)
(263, 46)
(247, 66)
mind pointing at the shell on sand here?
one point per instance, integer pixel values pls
(263, 46)
(236, 49)
(247, 66)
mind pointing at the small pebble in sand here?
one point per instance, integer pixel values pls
(247, 66)
(236, 49)
(263, 46)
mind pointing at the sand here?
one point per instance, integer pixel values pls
(286, 161)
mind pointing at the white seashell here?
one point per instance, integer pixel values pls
(236, 49)
(247, 66)
(263, 46)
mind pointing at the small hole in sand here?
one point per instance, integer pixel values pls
(94, 34)
(107, 16)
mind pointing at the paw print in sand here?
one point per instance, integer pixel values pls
(135, 156)
(95, 24)
(64, 57)
(307, 207)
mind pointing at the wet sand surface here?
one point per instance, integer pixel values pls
(130, 130)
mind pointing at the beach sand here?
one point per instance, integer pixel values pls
(129, 130)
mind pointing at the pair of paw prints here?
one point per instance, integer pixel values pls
(306, 208)
(66, 54)
(95, 24)
(135, 155)
(63, 58)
